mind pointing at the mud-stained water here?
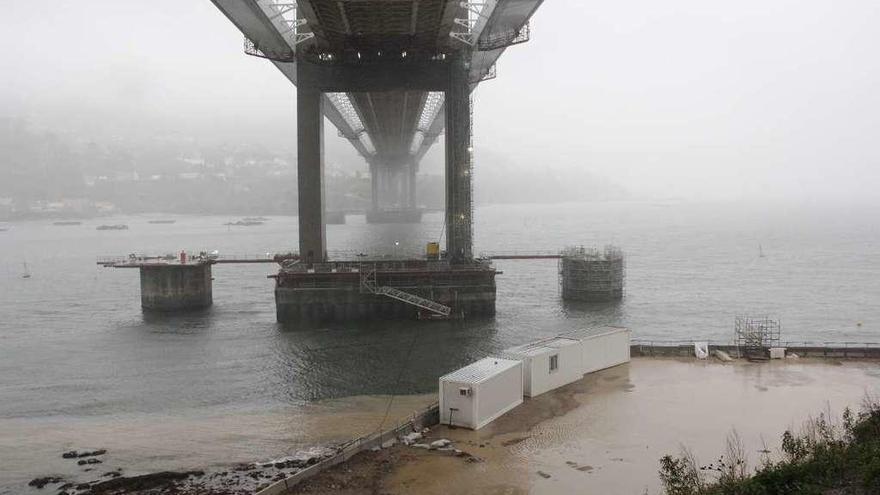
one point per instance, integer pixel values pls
(606, 433)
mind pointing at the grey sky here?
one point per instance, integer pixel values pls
(680, 98)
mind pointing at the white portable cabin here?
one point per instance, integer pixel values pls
(548, 364)
(477, 394)
(602, 348)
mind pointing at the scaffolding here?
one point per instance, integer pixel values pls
(469, 172)
(503, 38)
(591, 274)
(754, 336)
(459, 179)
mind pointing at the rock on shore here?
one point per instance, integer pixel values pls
(45, 480)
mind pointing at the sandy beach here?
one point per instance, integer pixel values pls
(606, 433)
(163, 443)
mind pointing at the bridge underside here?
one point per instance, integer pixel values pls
(391, 75)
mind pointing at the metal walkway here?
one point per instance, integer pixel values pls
(368, 284)
(415, 300)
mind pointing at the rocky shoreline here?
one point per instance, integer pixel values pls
(239, 479)
(367, 472)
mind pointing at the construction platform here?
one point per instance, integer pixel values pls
(173, 283)
(433, 287)
(389, 289)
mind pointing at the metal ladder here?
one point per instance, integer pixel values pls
(368, 284)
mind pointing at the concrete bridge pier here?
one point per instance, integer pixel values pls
(393, 189)
(310, 170)
(176, 287)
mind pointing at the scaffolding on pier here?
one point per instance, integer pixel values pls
(591, 274)
(754, 336)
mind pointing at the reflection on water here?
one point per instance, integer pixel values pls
(165, 322)
(600, 313)
(366, 359)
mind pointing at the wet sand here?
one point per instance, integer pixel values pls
(163, 442)
(606, 433)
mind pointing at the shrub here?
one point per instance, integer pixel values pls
(823, 457)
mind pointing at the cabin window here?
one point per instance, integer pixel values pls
(554, 363)
(464, 391)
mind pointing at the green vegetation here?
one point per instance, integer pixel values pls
(824, 459)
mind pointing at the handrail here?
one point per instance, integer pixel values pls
(792, 343)
(418, 419)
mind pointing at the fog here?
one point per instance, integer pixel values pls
(684, 99)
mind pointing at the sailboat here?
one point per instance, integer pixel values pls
(27, 273)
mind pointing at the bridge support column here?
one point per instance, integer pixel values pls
(310, 170)
(459, 209)
(176, 287)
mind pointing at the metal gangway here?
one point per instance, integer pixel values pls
(368, 284)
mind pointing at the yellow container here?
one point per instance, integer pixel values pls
(432, 252)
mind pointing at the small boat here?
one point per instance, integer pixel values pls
(761, 251)
(161, 221)
(255, 219)
(66, 222)
(112, 227)
(27, 273)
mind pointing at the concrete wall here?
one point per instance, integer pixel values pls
(176, 287)
(831, 351)
(350, 304)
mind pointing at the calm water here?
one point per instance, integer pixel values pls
(80, 363)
